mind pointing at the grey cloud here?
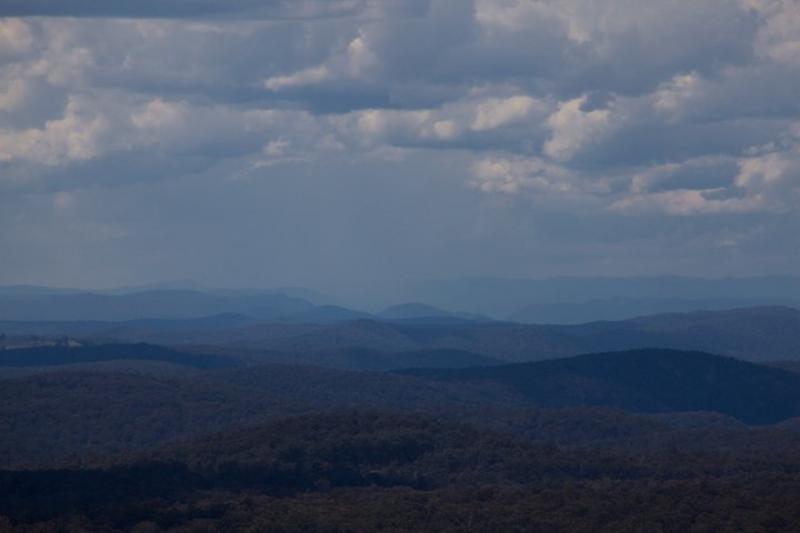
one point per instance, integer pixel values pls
(398, 137)
(278, 9)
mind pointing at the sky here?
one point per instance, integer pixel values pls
(349, 142)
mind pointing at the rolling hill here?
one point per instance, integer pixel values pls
(62, 355)
(370, 471)
(647, 381)
(757, 334)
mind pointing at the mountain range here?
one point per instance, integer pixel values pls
(755, 334)
(542, 301)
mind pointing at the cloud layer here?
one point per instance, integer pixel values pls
(548, 131)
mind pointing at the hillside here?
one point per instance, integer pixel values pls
(51, 417)
(614, 309)
(356, 358)
(647, 381)
(63, 355)
(755, 334)
(406, 472)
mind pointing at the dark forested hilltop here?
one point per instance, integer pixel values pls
(647, 380)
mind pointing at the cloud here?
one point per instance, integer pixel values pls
(572, 128)
(687, 202)
(779, 36)
(15, 37)
(277, 9)
(672, 95)
(762, 170)
(512, 176)
(767, 183)
(309, 76)
(495, 112)
(75, 136)
(607, 120)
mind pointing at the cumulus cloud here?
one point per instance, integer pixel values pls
(75, 136)
(408, 75)
(301, 78)
(15, 37)
(767, 182)
(687, 202)
(671, 96)
(511, 176)
(572, 128)
(669, 110)
(779, 36)
(496, 112)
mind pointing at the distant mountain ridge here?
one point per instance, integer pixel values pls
(421, 312)
(628, 308)
(570, 300)
(153, 304)
(54, 305)
(755, 334)
(559, 300)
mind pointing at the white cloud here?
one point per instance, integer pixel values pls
(764, 170)
(572, 128)
(15, 37)
(779, 37)
(301, 78)
(389, 80)
(495, 112)
(360, 59)
(542, 187)
(14, 95)
(686, 202)
(158, 114)
(670, 97)
(78, 135)
(767, 183)
(277, 147)
(498, 174)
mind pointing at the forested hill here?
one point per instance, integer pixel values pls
(368, 471)
(648, 381)
(66, 355)
(756, 334)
